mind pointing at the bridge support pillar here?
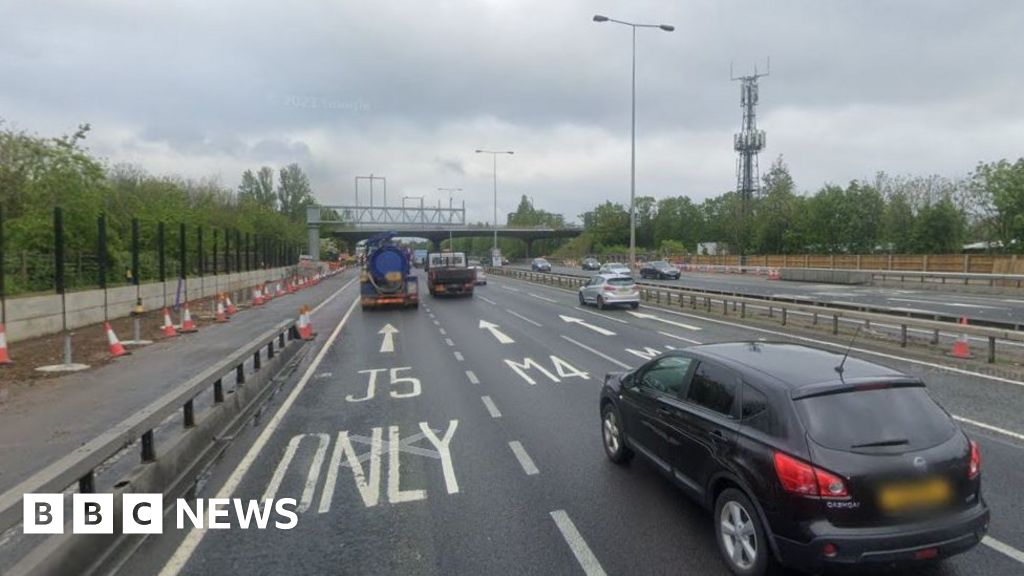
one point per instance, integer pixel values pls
(529, 248)
(313, 231)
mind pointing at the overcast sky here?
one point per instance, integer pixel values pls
(408, 89)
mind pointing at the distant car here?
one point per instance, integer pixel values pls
(606, 290)
(591, 264)
(540, 265)
(659, 269)
(807, 458)
(481, 276)
(615, 268)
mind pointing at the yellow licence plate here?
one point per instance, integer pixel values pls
(896, 497)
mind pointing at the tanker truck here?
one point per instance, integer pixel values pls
(386, 278)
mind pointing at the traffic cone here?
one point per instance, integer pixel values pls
(168, 327)
(961, 346)
(257, 296)
(773, 274)
(187, 325)
(222, 315)
(291, 285)
(4, 357)
(305, 325)
(116, 348)
(230, 305)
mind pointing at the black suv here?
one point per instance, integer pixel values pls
(807, 458)
(540, 265)
(591, 264)
(659, 269)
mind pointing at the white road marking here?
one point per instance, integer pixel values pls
(369, 490)
(488, 300)
(510, 289)
(443, 331)
(472, 377)
(436, 323)
(395, 493)
(670, 335)
(1002, 548)
(388, 343)
(660, 319)
(312, 476)
(582, 552)
(523, 318)
(989, 427)
(544, 298)
(449, 342)
(431, 314)
(598, 353)
(598, 329)
(592, 313)
(331, 297)
(493, 329)
(459, 356)
(491, 408)
(524, 459)
(194, 537)
(442, 445)
(936, 303)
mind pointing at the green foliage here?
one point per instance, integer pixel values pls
(998, 188)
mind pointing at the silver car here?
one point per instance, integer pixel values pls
(606, 290)
(615, 268)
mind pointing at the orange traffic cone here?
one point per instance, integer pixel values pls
(230, 305)
(305, 325)
(773, 274)
(961, 346)
(116, 348)
(222, 315)
(4, 357)
(257, 296)
(168, 327)
(187, 325)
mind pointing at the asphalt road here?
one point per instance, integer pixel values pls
(919, 301)
(460, 459)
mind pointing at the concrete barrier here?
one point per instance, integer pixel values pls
(32, 316)
(824, 276)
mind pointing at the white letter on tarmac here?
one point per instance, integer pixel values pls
(368, 489)
(395, 493)
(371, 388)
(443, 450)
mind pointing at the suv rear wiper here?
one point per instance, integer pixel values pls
(892, 442)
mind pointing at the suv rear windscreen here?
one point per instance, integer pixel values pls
(901, 418)
(621, 281)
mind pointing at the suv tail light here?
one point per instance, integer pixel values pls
(609, 288)
(799, 477)
(974, 469)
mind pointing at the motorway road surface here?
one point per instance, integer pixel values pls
(974, 306)
(448, 455)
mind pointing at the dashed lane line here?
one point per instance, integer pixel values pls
(523, 318)
(488, 300)
(459, 356)
(442, 331)
(582, 552)
(597, 352)
(605, 316)
(472, 377)
(989, 427)
(524, 459)
(449, 342)
(1004, 549)
(544, 298)
(677, 337)
(491, 408)
(195, 537)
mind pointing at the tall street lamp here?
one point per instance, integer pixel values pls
(449, 191)
(494, 156)
(632, 146)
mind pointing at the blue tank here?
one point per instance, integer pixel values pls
(386, 278)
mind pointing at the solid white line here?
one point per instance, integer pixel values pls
(544, 298)
(193, 538)
(601, 354)
(524, 318)
(331, 297)
(591, 312)
(524, 459)
(449, 342)
(472, 377)
(670, 335)
(488, 300)
(1003, 548)
(491, 408)
(458, 356)
(586, 558)
(989, 427)
(854, 349)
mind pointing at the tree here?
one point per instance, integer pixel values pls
(999, 189)
(258, 189)
(294, 193)
(938, 228)
(775, 211)
(608, 223)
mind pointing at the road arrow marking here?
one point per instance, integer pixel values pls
(580, 321)
(653, 317)
(388, 343)
(493, 329)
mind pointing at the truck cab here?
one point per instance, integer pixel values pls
(448, 274)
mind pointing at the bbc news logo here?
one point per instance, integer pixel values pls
(144, 514)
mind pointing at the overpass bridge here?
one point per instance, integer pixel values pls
(355, 223)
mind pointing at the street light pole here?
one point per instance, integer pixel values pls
(449, 191)
(632, 137)
(494, 156)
